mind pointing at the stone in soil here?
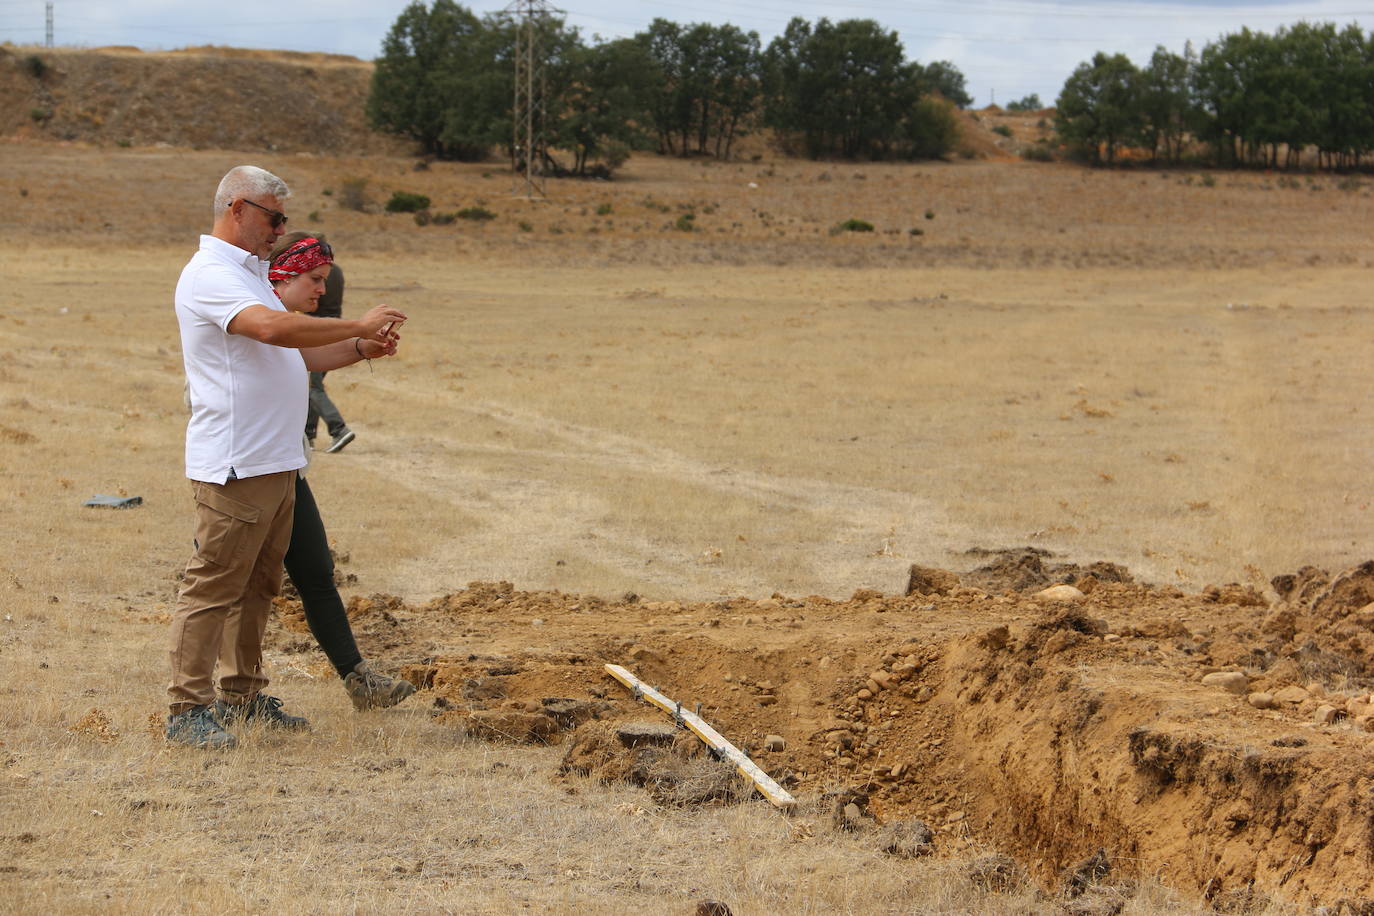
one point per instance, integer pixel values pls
(906, 839)
(1230, 681)
(994, 873)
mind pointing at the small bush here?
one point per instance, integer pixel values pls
(124, 143)
(525, 226)
(1209, 181)
(36, 66)
(686, 222)
(353, 195)
(1350, 183)
(328, 192)
(1002, 129)
(854, 225)
(1037, 154)
(916, 230)
(423, 218)
(603, 210)
(652, 204)
(314, 216)
(930, 214)
(40, 115)
(407, 202)
(477, 214)
(444, 219)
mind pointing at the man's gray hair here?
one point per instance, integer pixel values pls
(248, 181)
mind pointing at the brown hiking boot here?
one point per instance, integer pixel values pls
(370, 690)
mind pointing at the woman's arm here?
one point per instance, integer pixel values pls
(346, 352)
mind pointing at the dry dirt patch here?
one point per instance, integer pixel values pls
(1019, 719)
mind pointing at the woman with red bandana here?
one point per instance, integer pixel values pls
(300, 263)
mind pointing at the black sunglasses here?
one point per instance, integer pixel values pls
(323, 246)
(278, 217)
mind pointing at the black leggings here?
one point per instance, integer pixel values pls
(312, 571)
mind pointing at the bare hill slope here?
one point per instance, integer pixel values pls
(220, 98)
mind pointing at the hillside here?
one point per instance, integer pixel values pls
(205, 98)
(232, 98)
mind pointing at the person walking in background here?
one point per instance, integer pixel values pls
(247, 363)
(321, 406)
(300, 267)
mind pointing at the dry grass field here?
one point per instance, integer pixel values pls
(739, 419)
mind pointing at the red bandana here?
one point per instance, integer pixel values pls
(300, 258)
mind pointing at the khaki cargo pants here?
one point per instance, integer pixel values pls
(243, 529)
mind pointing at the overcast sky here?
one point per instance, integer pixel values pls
(1006, 48)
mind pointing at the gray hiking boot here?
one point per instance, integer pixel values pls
(262, 709)
(370, 690)
(197, 727)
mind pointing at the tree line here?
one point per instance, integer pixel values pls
(1249, 98)
(445, 78)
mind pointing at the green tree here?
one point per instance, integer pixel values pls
(1165, 99)
(707, 88)
(842, 88)
(430, 58)
(605, 105)
(943, 77)
(1026, 103)
(1098, 108)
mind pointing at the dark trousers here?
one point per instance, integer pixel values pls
(311, 569)
(322, 407)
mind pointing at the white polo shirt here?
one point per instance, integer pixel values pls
(248, 399)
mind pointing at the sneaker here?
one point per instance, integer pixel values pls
(371, 690)
(197, 727)
(261, 708)
(341, 440)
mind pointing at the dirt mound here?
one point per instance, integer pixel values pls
(206, 98)
(1216, 743)
(674, 767)
(1014, 570)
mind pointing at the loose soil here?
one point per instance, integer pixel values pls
(997, 715)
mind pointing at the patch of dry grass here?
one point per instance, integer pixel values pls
(752, 407)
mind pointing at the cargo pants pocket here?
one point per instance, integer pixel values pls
(223, 525)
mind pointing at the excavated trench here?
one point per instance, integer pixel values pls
(1219, 741)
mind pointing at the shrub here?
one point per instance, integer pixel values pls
(1209, 181)
(423, 218)
(124, 143)
(1037, 154)
(1002, 129)
(603, 210)
(406, 202)
(353, 195)
(686, 222)
(40, 115)
(443, 219)
(525, 226)
(478, 214)
(930, 214)
(314, 216)
(36, 66)
(854, 225)
(916, 230)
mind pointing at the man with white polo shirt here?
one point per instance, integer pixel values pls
(247, 369)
